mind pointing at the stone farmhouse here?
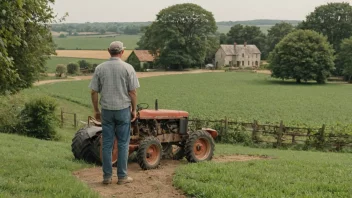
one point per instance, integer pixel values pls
(238, 56)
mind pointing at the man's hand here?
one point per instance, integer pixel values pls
(97, 115)
(133, 115)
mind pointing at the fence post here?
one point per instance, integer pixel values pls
(62, 118)
(255, 138)
(279, 134)
(321, 137)
(226, 125)
(75, 120)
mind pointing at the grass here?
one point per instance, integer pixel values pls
(240, 96)
(37, 168)
(95, 43)
(289, 174)
(51, 63)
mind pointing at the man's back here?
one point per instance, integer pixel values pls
(113, 79)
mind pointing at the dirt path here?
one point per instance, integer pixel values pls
(146, 184)
(139, 75)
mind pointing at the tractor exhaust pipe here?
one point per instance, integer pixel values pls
(156, 105)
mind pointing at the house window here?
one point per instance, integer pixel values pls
(242, 63)
(230, 63)
(238, 63)
(243, 55)
(249, 63)
(256, 63)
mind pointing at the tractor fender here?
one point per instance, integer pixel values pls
(212, 132)
(93, 130)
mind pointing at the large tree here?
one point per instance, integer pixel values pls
(302, 55)
(344, 59)
(25, 41)
(181, 35)
(277, 33)
(333, 20)
(250, 34)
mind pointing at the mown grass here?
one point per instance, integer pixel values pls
(239, 96)
(95, 43)
(38, 168)
(287, 174)
(54, 61)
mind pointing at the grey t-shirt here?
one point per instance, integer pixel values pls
(113, 79)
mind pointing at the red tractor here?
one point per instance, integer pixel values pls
(155, 134)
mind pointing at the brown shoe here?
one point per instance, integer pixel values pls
(125, 180)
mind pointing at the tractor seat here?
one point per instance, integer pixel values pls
(94, 121)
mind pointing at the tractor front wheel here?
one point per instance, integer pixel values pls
(199, 147)
(149, 153)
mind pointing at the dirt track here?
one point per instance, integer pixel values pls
(146, 184)
(139, 75)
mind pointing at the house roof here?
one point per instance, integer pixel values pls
(249, 49)
(144, 55)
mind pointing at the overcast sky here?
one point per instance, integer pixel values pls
(223, 10)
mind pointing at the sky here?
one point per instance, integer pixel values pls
(81, 11)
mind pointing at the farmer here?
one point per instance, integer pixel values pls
(116, 82)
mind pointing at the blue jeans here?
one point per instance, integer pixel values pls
(116, 124)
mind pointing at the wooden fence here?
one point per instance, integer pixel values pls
(69, 118)
(275, 135)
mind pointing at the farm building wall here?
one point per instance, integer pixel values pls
(221, 59)
(246, 60)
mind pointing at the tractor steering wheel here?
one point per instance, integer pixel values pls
(142, 106)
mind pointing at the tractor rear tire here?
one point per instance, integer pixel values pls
(149, 153)
(199, 147)
(83, 147)
(98, 145)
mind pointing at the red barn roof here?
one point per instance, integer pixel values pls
(144, 55)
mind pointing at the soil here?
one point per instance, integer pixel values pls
(146, 184)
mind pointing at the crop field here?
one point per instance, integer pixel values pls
(286, 174)
(95, 42)
(239, 96)
(94, 54)
(51, 63)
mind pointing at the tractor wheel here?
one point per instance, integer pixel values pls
(199, 147)
(83, 147)
(149, 153)
(98, 144)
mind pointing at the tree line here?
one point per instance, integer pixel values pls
(119, 28)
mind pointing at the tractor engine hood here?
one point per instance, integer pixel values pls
(162, 114)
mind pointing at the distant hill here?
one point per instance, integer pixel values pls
(258, 22)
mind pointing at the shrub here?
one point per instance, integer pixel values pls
(60, 70)
(72, 68)
(38, 119)
(83, 64)
(62, 36)
(11, 106)
(93, 67)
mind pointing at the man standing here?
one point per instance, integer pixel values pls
(116, 81)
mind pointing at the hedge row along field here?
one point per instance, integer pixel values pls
(54, 61)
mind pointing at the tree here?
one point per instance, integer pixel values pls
(26, 42)
(60, 70)
(72, 68)
(344, 59)
(333, 20)
(277, 33)
(180, 36)
(83, 64)
(302, 55)
(250, 34)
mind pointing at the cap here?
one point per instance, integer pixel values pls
(116, 46)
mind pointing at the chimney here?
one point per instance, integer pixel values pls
(245, 43)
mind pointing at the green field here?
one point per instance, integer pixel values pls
(37, 168)
(240, 96)
(288, 174)
(51, 63)
(94, 42)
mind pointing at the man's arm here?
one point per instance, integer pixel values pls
(95, 98)
(133, 95)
